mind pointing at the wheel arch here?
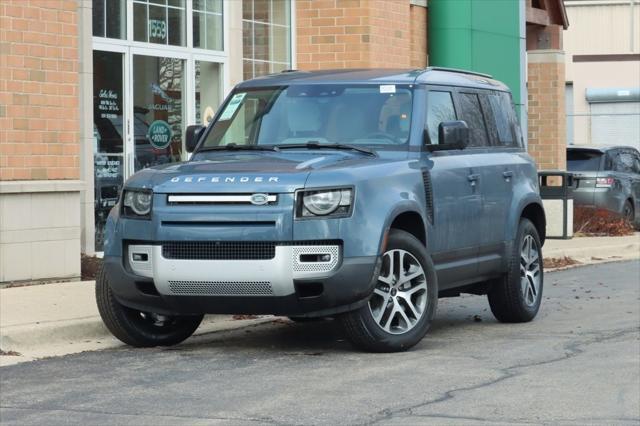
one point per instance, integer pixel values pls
(535, 213)
(411, 221)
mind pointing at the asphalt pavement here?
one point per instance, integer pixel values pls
(577, 363)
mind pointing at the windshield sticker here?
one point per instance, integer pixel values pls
(232, 107)
(388, 88)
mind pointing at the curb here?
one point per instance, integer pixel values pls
(68, 337)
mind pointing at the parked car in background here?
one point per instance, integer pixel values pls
(607, 177)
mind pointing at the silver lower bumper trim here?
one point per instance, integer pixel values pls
(272, 277)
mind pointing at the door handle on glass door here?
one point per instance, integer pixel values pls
(507, 175)
(473, 178)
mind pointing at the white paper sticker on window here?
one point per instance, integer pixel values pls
(232, 107)
(388, 88)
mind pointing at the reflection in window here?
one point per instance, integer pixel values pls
(207, 91)
(109, 18)
(439, 109)
(501, 108)
(266, 34)
(159, 21)
(158, 110)
(207, 24)
(108, 138)
(472, 114)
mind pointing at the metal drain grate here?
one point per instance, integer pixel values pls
(221, 288)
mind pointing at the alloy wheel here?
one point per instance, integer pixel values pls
(529, 270)
(400, 298)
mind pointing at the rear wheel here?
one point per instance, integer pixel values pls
(517, 295)
(403, 303)
(139, 328)
(628, 213)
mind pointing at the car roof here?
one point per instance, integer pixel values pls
(601, 148)
(432, 75)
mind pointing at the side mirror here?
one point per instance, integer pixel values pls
(451, 135)
(192, 136)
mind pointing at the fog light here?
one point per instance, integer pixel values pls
(140, 257)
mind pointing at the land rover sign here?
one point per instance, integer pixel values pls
(159, 134)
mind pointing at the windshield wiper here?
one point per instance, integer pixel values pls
(235, 147)
(318, 145)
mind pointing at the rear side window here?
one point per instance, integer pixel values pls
(502, 110)
(624, 162)
(471, 112)
(583, 160)
(439, 109)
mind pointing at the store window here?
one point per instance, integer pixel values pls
(108, 136)
(266, 34)
(207, 24)
(109, 18)
(208, 91)
(159, 21)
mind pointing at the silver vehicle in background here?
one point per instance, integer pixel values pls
(607, 177)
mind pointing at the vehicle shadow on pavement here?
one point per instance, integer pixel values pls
(315, 338)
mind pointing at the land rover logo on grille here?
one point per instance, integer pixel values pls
(259, 199)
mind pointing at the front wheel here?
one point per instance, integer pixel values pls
(516, 297)
(404, 300)
(138, 328)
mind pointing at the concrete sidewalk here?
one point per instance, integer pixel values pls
(62, 318)
(56, 319)
(589, 250)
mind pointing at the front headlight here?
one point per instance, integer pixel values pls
(326, 202)
(137, 203)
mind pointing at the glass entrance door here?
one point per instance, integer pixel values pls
(158, 110)
(143, 100)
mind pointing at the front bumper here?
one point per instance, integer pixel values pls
(297, 280)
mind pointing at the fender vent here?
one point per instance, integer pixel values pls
(428, 194)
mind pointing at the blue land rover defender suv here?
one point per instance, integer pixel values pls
(362, 195)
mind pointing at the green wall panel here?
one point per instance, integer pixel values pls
(479, 35)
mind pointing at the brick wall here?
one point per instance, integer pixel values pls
(418, 16)
(39, 117)
(359, 34)
(547, 121)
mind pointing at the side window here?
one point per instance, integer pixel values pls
(624, 162)
(472, 114)
(636, 162)
(503, 117)
(439, 108)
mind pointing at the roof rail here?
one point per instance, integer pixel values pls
(458, 71)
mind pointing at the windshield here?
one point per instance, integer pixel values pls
(371, 115)
(583, 160)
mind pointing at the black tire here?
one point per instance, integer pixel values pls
(141, 329)
(628, 213)
(507, 296)
(361, 327)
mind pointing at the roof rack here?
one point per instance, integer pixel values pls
(458, 71)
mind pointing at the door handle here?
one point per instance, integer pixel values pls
(507, 175)
(473, 178)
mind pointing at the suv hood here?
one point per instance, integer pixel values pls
(272, 172)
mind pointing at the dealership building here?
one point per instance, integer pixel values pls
(91, 91)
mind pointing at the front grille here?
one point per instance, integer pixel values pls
(221, 288)
(219, 250)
